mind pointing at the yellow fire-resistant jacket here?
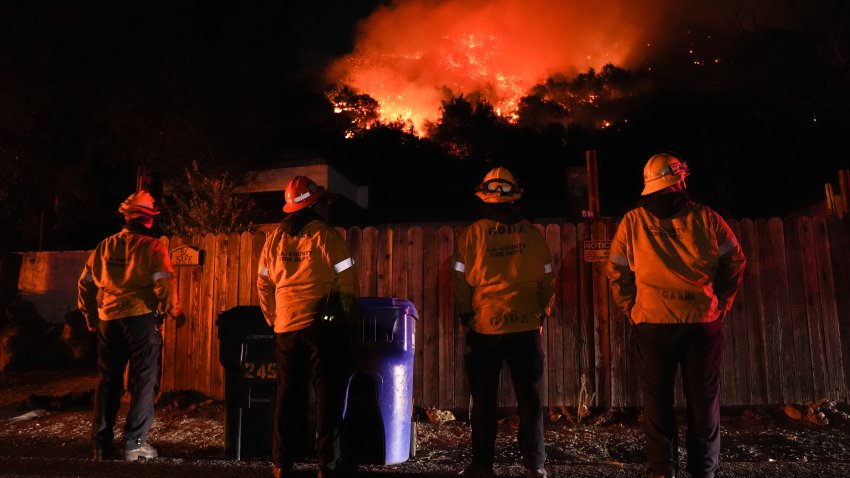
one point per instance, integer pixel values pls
(502, 273)
(685, 268)
(300, 277)
(134, 276)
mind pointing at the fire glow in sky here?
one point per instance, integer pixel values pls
(413, 54)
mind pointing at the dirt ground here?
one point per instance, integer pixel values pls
(189, 434)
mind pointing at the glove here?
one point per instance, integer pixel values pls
(465, 317)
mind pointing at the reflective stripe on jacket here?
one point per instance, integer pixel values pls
(686, 268)
(503, 273)
(300, 277)
(133, 274)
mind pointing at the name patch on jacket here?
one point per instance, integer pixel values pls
(665, 231)
(505, 229)
(296, 256)
(116, 261)
(673, 294)
(506, 250)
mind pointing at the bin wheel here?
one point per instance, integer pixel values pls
(412, 439)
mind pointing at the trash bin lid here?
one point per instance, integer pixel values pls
(402, 305)
(243, 320)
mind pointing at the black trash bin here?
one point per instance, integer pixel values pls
(247, 353)
(377, 426)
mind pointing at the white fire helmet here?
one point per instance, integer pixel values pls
(661, 171)
(138, 204)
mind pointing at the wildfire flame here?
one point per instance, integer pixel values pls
(411, 55)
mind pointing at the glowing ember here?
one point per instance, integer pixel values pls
(413, 54)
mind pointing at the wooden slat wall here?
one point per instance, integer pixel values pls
(787, 335)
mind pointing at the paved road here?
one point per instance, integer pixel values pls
(31, 467)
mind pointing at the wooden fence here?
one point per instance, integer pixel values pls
(787, 336)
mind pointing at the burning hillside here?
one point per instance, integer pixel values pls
(411, 55)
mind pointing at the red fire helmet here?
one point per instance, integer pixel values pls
(138, 204)
(301, 192)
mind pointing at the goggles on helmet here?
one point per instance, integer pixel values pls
(674, 168)
(500, 186)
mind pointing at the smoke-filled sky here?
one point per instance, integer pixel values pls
(411, 54)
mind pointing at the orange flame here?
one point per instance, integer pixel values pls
(413, 54)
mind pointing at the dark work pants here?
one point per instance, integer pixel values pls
(138, 340)
(698, 349)
(524, 357)
(318, 350)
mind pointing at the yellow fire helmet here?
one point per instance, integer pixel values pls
(661, 171)
(499, 186)
(138, 204)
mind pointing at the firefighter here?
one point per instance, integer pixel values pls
(126, 283)
(503, 286)
(674, 268)
(307, 286)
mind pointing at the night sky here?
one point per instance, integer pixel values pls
(91, 90)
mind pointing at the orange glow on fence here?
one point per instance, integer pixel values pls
(413, 54)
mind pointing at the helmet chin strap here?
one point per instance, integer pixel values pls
(144, 221)
(679, 186)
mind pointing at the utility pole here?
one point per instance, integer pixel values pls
(143, 179)
(592, 212)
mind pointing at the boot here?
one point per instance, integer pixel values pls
(142, 451)
(103, 453)
(650, 474)
(535, 473)
(478, 471)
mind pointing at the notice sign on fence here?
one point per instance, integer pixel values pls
(187, 256)
(596, 251)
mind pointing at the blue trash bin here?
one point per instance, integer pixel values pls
(376, 427)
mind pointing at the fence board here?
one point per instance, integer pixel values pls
(772, 252)
(445, 251)
(586, 328)
(839, 240)
(369, 262)
(416, 284)
(618, 343)
(400, 264)
(222, 281)
(601, 322)
(799, 311)
(834, 380)
(554, 327)
(256, 252)
(384, 262)
(811, 286)
(168, 331)
(755, 312)
(739, 340)
(231, 297)
(431, 318)
(571, 332)
(247, 275)
(461, 399)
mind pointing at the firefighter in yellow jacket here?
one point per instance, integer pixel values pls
(503, 285)
(675, 267)
(307, 286)
(126, 282)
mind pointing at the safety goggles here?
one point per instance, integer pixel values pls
(500, 186)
